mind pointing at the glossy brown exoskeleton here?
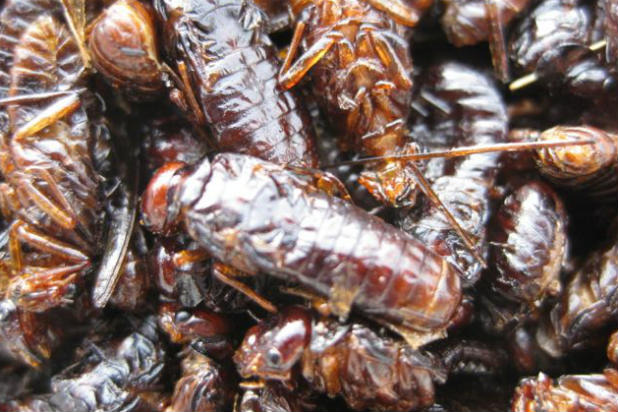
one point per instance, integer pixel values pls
(123, 45)
(529, 245)
(340, 360)
(570, 393)
(553, 42)
(357, 52)
(229, 69)
(457, 105)
(206, 331)
(204, 385)
(470, 22)
(51, 189)
(119, 379)
(590, 170)
(587, 305)
(261, 217)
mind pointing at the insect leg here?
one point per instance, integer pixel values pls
(390, 59)
(291, 74)
(497, 44)
(55, 212)
(226, 274)
(22, 232)
(400, 12)
(50, 115)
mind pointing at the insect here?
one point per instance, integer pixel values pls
(229, 68)
(586, 305)
(360, 63)
(133, 367)
(339, 359)
(456, 105)
(570, 393)
(51, 189)
(204, 385)
(554, 43)
(586, 170)
(470, 22)
(472, 357)
(530, 245)
(322, 242)
(274, 396)
(203, 330)
(123, 48)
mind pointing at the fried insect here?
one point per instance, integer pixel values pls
(360, 65)
(570, 393)
(340, 359)
(228, 67)
(555, 43)
(529, 245)
(274, 396)
(51, 190)
(587, 305)
(204, 386)
(205, 331)
(258, 216)
(470, 22)
(118, 381)
(590, 170)
(456, 105)
(123, 47)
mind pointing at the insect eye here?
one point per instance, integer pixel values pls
(273, 357)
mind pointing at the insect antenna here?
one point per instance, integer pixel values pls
(530, 78)
(432, 195)
(464, 151)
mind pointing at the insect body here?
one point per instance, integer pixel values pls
(553, 43)
(590, 170)
(529, 244)
(570, 393)
(360, 65)
(339, 360)
(229, 63)
(471, 22)
(457, 105)
(116, 382)
(258, 216)
(51, 189)
(204, 386)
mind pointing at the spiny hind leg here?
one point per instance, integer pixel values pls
(38, 289)
(291, 74)
(56, 206)
(229, 275)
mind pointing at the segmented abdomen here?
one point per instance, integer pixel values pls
(234, 77)
(364, 81)
(324, 243)
(47, 60)
(405, 380)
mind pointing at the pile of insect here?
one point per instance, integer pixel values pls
(308, 205)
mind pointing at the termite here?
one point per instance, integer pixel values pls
(339, 359)
(262, 217)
